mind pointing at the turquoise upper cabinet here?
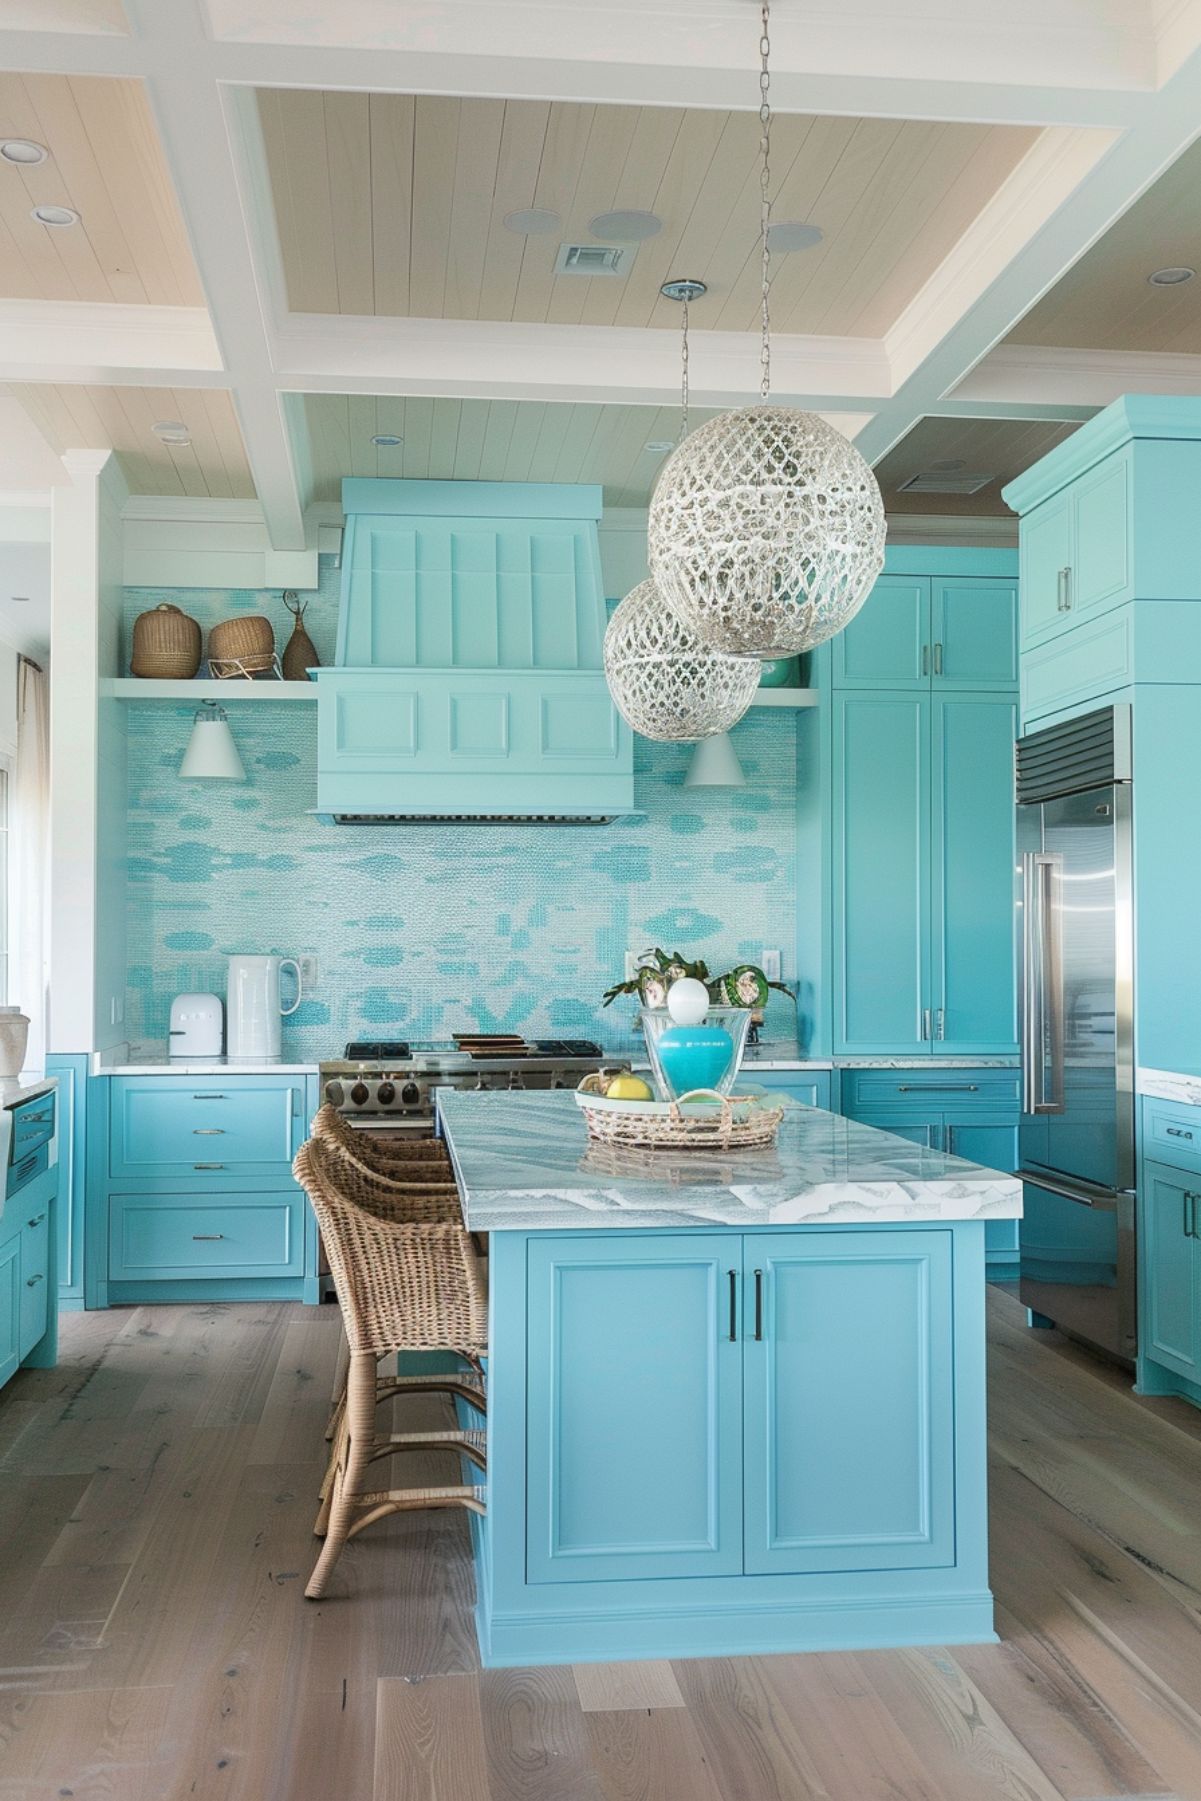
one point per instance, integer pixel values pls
(973, 991)
(974, 633)
(881, 870)
(887, 644)
(1076, 552)
(851, 1471)
(635, 1445)
(1046, 560)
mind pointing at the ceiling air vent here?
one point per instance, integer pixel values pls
(939, 482)
(590, 259)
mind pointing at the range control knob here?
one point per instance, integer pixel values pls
(410, 1094)
(385, 1094)
(360, 1094)
(335, 1094)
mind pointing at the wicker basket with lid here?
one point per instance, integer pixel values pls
(166, 644)
(242, 646)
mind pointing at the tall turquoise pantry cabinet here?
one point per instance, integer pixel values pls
(1111, 615)
(923, 717)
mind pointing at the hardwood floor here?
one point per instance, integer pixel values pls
(156, 1502)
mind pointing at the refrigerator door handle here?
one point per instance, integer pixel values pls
(1085, 1194)
(1042, 985)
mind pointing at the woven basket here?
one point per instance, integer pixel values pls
(733, 1126)
(166, 644)
(246, 644)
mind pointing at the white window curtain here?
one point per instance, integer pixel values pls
(29, 839)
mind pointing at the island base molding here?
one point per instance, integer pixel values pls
(841, 1623)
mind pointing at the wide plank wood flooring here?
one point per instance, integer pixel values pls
(156, 1503)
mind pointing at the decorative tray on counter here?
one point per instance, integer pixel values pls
(702, 1120)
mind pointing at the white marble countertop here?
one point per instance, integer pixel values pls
(15, 1089)
(524, 1162)
(149, 1060)
(1169, 1085)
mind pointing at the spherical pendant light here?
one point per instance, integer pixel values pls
(665, 683)
(766, 531)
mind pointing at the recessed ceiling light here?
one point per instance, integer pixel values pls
(1170, 278)
(59, 216)
(23, 151)
(387, 440)
(172, 431)
(792, 234)
(657, 446)
(532, 222)
(625, 227)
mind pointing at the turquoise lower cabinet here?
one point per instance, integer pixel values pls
(35, 1276)
(10, 1308)
(848, 1404)
(190, 1189)
(810, 1088)
(635, 1466)
(729, 1441)
(72, 1075)
(1170, 1331)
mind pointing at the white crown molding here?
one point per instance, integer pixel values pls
(953, 528)
(1082, 379)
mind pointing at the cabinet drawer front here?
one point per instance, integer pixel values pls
(189, 1236)
(171, 1126)
(810, 1090)
(35, 1276)
(950, 1090)
(10, 1307)
(1172, 1134)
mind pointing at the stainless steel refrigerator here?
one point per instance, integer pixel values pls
(1075, 794)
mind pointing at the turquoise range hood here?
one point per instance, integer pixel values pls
(468, 683)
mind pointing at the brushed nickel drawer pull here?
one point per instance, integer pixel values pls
(208, 1097)
(938, 1088)
(938, 659)
(206, 1237)
(208, 1166)
(208, 1131)
(1178, 1132)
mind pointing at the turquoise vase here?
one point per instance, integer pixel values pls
(695, 1056)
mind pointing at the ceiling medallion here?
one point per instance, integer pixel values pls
(766, 527)
(665, 683)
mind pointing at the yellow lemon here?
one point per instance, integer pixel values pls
(628, 1088)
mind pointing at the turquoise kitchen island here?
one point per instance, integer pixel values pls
(735, 1403)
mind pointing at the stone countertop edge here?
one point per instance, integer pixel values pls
(15, 1089)
(1169, 1085)
(524, 1163)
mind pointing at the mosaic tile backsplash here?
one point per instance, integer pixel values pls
(423, 931)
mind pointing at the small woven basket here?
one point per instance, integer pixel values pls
(166, 644)
(242, 646)
(732, 1126)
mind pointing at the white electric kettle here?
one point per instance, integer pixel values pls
(253, 1009)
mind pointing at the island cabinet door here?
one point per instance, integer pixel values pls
(849, 1393)
(634, 1407)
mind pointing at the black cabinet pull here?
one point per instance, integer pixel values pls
(938, 1087)
(758, 1303)
(37, 1221)
(733, 1306)
(1178, 1132)
(33, 1281)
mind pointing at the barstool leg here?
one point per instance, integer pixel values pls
(338, 1395)
(348, 1484)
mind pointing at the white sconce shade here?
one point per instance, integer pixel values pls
(212, 755)
(715, 764)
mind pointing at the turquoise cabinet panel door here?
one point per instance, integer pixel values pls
(996, 1147)
(974, 626)
(811, 1091)
(1171, 1213)
(1101, 536)
(10, 1307)
(918, 1126)
(849, 1398)
(634, 1408)
(35, 1276)
(881, 873)
(887, 644)
(188, 1237)
(1046, 560)
(176, 1125)
(974, 990)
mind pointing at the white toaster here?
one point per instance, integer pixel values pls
(196, 1026)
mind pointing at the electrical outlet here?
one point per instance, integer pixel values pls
(308, 972)
(772, 965)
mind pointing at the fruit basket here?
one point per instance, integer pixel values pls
(702, 1120)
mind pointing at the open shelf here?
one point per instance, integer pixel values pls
(234, 692)
(786, 697)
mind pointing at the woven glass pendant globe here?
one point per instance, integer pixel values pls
(766, 531)
(665, 683)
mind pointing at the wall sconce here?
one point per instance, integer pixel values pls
(212, 755)
(715, 764)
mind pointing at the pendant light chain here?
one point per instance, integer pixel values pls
(765, 196)
(684, 375)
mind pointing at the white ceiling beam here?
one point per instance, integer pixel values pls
(934, 346)
(42, 339)
(196, 140)
(1019, 376)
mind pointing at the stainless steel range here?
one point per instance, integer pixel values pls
(391, 1083)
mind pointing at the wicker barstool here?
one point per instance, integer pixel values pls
(401, 1287)
(426, 1157)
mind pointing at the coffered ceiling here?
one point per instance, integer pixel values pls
(292, 227)
(948, 456)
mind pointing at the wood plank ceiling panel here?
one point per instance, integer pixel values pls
(106, 164)
(393, 206)
(122, 419)
(490, 440)
(999, 448)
